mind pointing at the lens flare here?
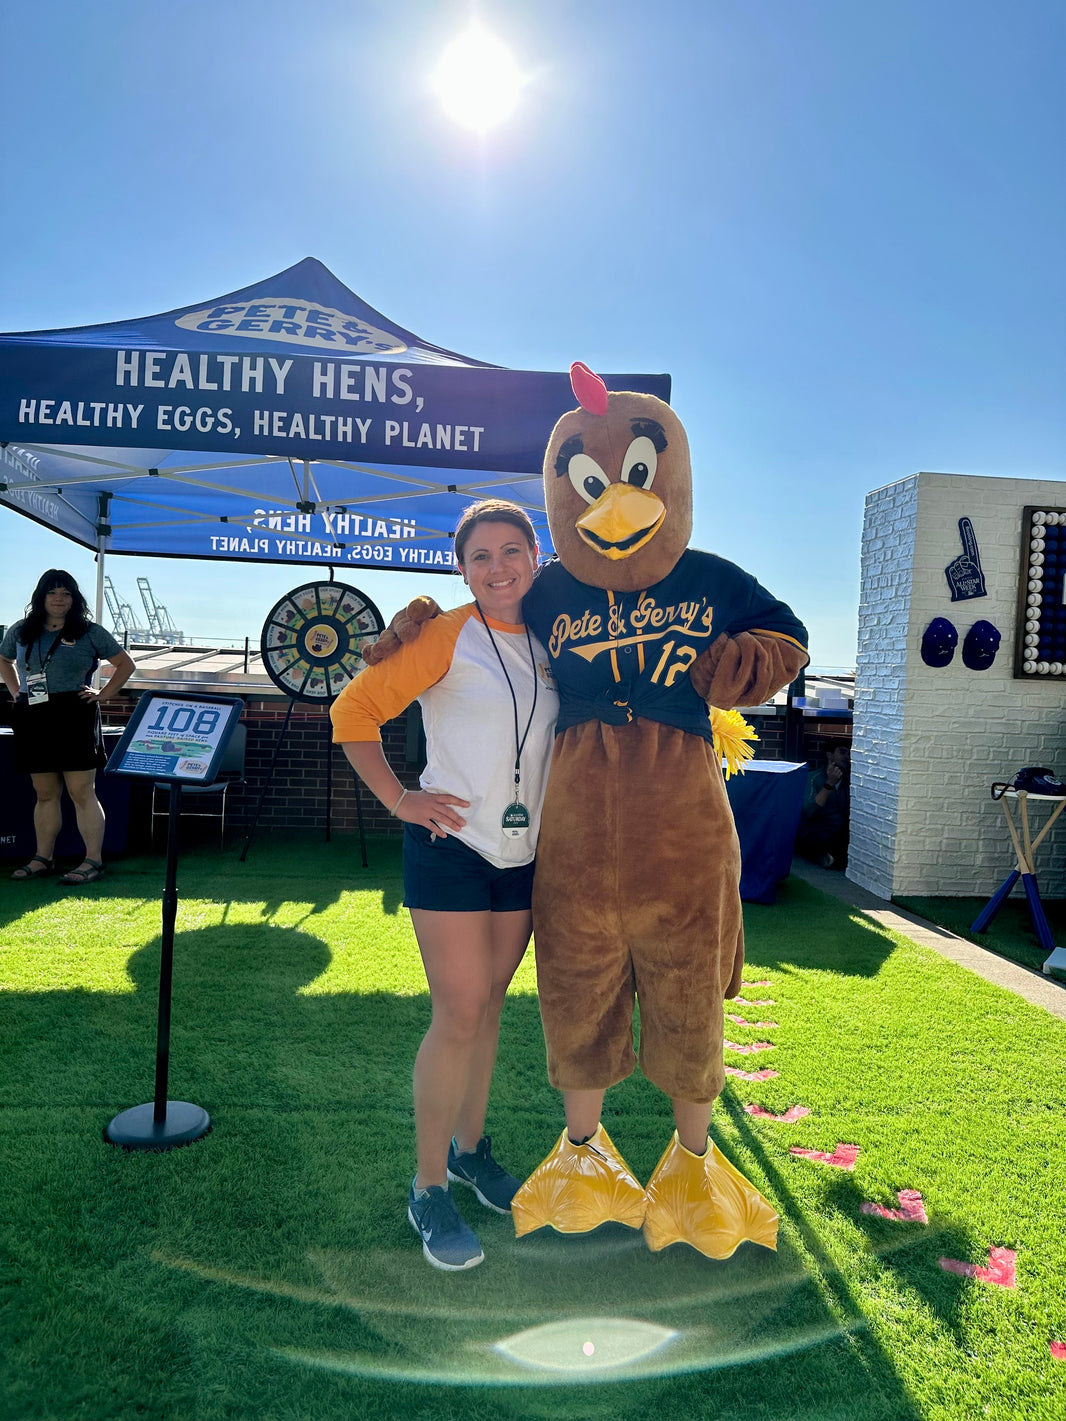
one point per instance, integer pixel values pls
(556, 1346)
(730, 1317)
(477, 80)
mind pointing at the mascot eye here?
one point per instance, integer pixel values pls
(587, 476)
(638, 466)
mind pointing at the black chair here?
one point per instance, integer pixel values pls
(230, 775)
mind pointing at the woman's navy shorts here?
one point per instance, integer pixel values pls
(446, 876)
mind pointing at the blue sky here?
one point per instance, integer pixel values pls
(839, 224)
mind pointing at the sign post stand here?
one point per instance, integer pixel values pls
(180, 739)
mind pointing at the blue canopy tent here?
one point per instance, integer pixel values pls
(288, 422)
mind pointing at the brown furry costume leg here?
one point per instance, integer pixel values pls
(636, 892)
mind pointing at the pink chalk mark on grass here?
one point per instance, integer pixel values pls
(791, 1115)
(747, 986)
(749, 1048)
(750, 1075)
(1000, 1270)
(755, 1025)
(911, 1209)
(744, 1002)
(1058, 1350)
(843, 1157)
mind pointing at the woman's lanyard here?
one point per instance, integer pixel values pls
(42, 662)
(37, 682)
(515, 820)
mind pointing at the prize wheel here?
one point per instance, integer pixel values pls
(312, 639)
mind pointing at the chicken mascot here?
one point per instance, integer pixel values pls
(636, 892)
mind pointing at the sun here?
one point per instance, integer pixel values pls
(477, 80)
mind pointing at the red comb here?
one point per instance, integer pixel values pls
(590, 390)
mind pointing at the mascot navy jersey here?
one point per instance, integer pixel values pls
(617, 656)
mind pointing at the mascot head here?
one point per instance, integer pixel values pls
(618, 487)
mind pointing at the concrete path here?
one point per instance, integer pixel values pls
(1033, 986)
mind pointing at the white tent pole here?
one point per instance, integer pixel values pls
(102, 531)
(99, 616)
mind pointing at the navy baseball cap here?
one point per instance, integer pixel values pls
(980, 647)
(939, 642)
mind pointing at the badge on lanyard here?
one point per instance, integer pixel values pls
(37, 689)
(37, 685)
(516, 820)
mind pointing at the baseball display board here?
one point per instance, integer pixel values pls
(176, 739)
(312, 638)
(1040, 645)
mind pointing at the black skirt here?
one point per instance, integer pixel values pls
(62, 734)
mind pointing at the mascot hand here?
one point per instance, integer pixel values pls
(746, 669)
(405, 627)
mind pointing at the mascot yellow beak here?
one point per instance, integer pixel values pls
(621, 520)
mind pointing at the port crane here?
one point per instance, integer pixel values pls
(160, 627)
(159, 619)
(123, 622)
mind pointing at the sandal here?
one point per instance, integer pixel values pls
(24, 874)
(78, 877)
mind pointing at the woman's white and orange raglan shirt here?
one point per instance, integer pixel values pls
(453, 671)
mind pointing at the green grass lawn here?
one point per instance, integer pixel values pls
(1010, 933)
(269, 1271)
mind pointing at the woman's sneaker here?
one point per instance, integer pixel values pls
(448, 1242)
(480, 1172)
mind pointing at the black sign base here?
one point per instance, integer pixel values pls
(137, 1128)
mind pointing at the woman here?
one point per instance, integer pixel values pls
(489, 708)
(47, 662)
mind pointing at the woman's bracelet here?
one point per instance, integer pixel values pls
(403, 796)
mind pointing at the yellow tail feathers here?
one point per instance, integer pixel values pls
(731, 735)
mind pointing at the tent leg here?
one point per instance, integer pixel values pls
(99, 615)
(98, 618)
(102, 531)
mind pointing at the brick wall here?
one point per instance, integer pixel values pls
(815, 733)
(887, 565)
(930, 741)
(296, 797)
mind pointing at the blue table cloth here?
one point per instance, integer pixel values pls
(766, 800)
(17, 839)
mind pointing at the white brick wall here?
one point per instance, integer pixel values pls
(888, 541)
(929, 742)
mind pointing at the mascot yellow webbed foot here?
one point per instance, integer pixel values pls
(705, 1201)
(577, 1188)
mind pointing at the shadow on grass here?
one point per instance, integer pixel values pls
(270, 1270)
(300, 868)
(808, 929)
(912, 1252)
(240, 1028)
